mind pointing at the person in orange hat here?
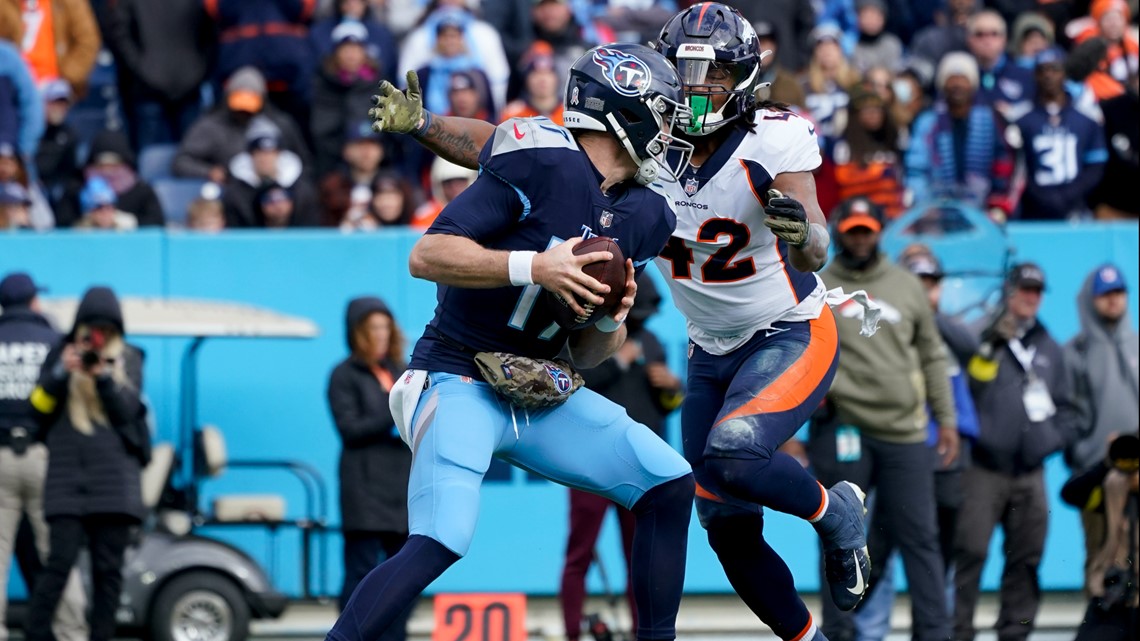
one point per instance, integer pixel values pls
(542, 95)
(1109, 19)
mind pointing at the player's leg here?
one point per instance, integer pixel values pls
(755, 570)
(781, 379)
(457, 425)
(587, 511)
(591, 444)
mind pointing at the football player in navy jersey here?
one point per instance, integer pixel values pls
(542, 189)
(740, 266)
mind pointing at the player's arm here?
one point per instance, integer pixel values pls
(458, 140)
(459, 261)
(794, 215)
(590, 347)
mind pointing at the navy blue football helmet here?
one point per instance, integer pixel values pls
(633, 93)
(716, 52)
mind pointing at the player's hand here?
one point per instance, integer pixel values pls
(560, 271)
(396, 111)
(787, 219)
(630, 292)
(948, 444)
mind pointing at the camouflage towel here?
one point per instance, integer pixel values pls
(529, 383)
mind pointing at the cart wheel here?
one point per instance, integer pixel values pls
(200, 606)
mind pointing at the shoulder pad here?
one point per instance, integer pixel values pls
(530, 133)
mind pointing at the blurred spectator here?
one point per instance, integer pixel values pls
(1106, 380)
(467, 96)
(98, 208)
(374, 461)
(947, 34)
(401, 16)
(1109, 19)
(631, 20)
(1111, 489)
(448, 180)
(342, 92)
(1062, 148)
(555, 24)
(163, 51)
(26, 338)
(15, 204)
(1004, 85)
(1031, 34)
(867, 159)
(873, 616)
(59, 39)
(276, 208)
(272, 36)
(1088, 66)
(452, 39)
(878, 404)
(828, 77)
(958, 149)
(636, 377)
(12, 169)
(111, 159)
(1021, 391)
(792, 21)
(253, 173)
(783, 86)
(206, 213)
(1117, 197)
(542, 90)
(453, 55)
(21, 106)
(910, 98)
(218, 136)
(89, 408)
(875, 46)
(57, 157)
(511, 19)
(393, 200)
(379, 45)
(364, 152)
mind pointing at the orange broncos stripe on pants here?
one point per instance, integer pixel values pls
(797, 383)
(803, 633)
(705, 494)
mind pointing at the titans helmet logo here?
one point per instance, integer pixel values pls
(627, 74)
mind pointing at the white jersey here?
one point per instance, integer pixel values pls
(728, 274)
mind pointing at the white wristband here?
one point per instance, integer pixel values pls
(518, 267)
(608, 325)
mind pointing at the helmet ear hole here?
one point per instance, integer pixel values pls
(630, 116)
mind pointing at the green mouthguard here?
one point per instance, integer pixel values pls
(700, 106)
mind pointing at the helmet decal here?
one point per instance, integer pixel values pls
(627, 74)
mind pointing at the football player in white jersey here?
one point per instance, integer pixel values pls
(740, 266)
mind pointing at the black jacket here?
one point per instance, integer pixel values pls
(26, 339)
(337, 105)
(161, 47)
(374, 462)
(1122, 133)
(97, 473)
(1008, 441)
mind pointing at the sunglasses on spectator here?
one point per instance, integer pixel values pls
(986, 34)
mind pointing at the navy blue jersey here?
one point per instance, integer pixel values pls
(535, 189)
(1064, 160)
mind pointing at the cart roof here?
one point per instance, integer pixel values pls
(188, 317)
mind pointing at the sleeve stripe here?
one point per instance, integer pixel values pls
(43, 402)
(522, 197)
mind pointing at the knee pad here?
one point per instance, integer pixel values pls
(733, 437)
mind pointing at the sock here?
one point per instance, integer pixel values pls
(391, 588)
(778, 482)
(758, 574)
(660, 540)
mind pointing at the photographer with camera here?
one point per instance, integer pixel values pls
(92, 418)
(1110, 488)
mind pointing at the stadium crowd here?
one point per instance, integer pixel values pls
(118, 114)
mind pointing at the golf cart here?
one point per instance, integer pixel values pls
(178, 584)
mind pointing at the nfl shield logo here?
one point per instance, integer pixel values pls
(691, 185)
(606, 219)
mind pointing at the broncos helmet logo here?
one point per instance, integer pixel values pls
(627, 74)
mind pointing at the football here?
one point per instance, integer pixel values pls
(609, 272)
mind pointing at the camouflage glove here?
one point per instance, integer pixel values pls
(529, 383)
(787, 219)
(396, 111)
